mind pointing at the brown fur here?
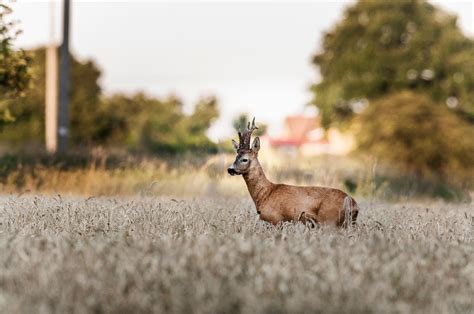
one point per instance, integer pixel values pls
(277, 203)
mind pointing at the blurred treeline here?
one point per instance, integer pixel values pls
(138, 122)
(400, 75)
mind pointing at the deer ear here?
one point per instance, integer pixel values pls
(256, 144)
(235, 144)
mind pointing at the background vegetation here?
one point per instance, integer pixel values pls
(373, 57)
(399, 75)
(14, 65)
(136, 122)
(411, 131)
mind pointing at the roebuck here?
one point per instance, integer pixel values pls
(276, 203)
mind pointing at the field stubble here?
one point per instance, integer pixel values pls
(213, 255)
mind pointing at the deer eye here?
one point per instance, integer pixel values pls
(245, 160)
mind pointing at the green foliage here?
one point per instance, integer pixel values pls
(240, 122)
(29, 110)
(196, 125)
(382, 47)
(413, 133)
(138, 122)
(146, 123)
(14, 65)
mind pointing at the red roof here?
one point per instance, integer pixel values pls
(284, 142)
(296, 129)
(299, 126)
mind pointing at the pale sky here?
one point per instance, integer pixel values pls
(254, 56)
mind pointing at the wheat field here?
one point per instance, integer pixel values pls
(213, 255)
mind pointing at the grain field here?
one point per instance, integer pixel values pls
(213, 255)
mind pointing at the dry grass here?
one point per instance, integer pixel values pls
(108, 175)
(181, 177)
(212, 255)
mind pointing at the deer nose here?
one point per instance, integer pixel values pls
(231, 171)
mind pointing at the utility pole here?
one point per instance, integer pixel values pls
(51, 92)
(63, 117)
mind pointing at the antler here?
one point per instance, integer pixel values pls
(245, 136)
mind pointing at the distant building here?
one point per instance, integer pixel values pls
(303, 135)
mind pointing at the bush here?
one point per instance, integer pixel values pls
(419, 136)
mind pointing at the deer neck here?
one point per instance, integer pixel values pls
(257, 183)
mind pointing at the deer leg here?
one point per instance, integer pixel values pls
(305, 218)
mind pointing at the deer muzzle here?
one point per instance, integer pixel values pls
(232, 171)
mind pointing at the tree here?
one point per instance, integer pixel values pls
(240, 122)
(84, 106)
(138, 121)
(14, 65)
(414, 134)
(381, 47)
(145, 123)
(205, 113)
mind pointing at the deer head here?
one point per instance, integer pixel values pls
(246, 154)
